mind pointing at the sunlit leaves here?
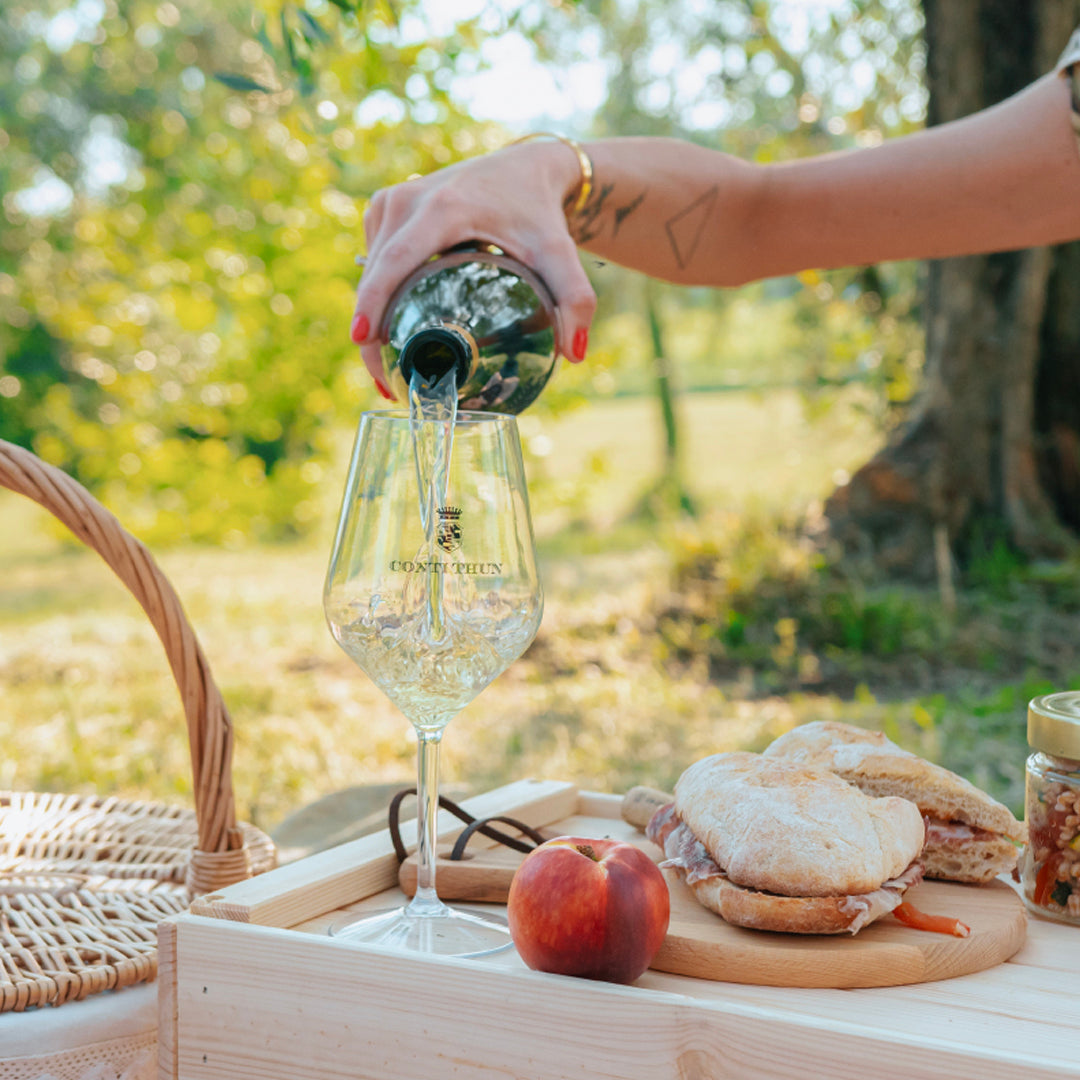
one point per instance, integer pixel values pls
(173, 324)
(767, 81)
(311, 29)
(178, 337)
(240, 82)
(764, 80)
(298, 46)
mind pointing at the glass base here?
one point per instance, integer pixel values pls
(449, 932)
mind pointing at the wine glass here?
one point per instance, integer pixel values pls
(433, 591)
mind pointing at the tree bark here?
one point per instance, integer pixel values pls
(991, 452)
(1057, 388)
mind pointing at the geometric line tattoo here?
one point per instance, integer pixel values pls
(687, 227)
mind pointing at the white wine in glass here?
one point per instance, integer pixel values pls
(433, 591)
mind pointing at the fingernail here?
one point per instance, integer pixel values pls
(383, 390)
(360, 327)
(581, 343)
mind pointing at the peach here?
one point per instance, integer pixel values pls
(593, 908)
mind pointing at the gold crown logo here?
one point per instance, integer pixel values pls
(450, 512)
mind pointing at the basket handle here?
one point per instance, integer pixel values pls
(220, 857)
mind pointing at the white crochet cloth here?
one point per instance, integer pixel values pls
(109, 1036)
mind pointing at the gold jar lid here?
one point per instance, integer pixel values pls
(1053, 724)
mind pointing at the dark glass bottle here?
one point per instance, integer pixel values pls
(481, 313)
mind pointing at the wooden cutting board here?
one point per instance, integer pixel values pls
(886, 953)
(702, 945)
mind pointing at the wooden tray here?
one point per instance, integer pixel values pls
(702, 945)
(251, 985)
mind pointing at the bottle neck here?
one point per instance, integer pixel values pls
(433, 352)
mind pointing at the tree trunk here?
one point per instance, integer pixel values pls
(668, 494)
(991, 452)
(1057, 388)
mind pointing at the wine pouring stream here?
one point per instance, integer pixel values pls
(433, 588)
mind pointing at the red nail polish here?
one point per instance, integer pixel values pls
(360, 327)
(383, 390)
(581, 343)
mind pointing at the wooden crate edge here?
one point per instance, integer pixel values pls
(303, 890)
(282, 970)
(168, 974)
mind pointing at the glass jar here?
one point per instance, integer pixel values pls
(1050, 871)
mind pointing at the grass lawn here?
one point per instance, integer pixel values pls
(609, 695)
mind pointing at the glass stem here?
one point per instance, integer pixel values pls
(426, 902)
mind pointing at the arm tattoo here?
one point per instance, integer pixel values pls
(623, 212)
(686, 228)
(587, 224)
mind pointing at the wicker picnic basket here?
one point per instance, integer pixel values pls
(85, 880)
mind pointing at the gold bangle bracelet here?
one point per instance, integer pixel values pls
(585, 186)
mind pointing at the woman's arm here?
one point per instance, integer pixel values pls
(1006, 177)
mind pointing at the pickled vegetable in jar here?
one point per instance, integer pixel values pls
(1051, 863)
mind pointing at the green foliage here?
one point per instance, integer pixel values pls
(801, 333)
(177, 338)
(993, 563)
(173, 328)
(759, 594)
(768, 611)
(766, 82)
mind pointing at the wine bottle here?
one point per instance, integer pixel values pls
(481, 314)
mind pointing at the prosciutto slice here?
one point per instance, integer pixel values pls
(951, 833)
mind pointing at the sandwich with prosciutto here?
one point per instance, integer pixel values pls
(970, 837)
(773, 845)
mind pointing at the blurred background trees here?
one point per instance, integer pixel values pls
(183, 186)
(764, 82)
(990, 460)
(176, 265)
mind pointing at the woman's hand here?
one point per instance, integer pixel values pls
(513, 199)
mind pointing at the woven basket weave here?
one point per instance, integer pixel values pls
(85, 880)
